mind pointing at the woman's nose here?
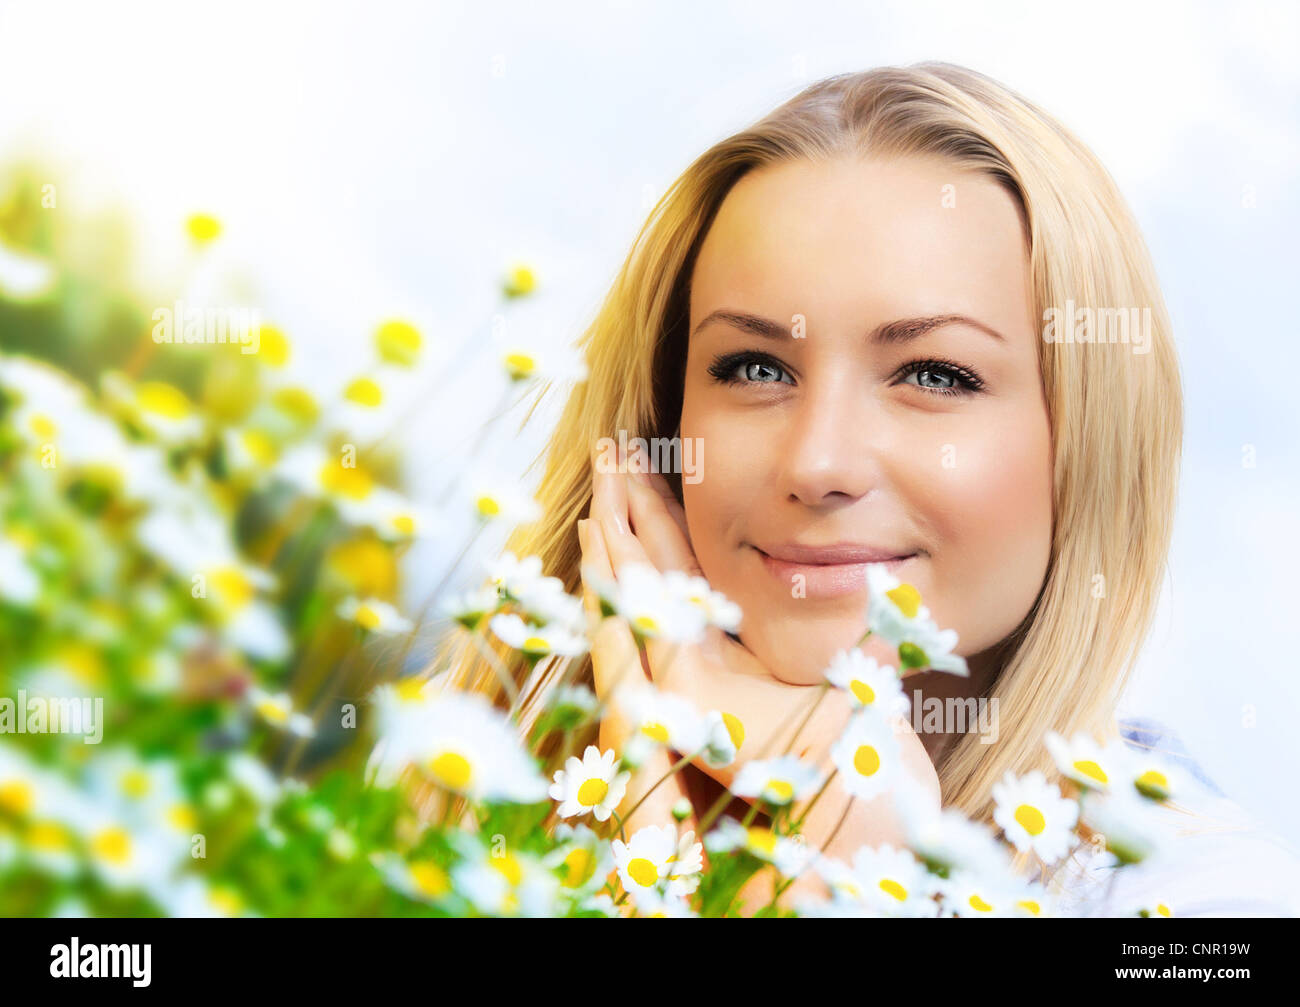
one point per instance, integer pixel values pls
(830, 454)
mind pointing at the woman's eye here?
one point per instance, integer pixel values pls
(940, 377)
(741, 368)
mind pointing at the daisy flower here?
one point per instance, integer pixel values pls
(277, 710)
(718, 610)
(945, 838)
(503, 882)
(776, 781)
(459, 740)
(1129, 823)
(512, 576)
(867, 755)
(969, 894)
(726, 734)
(374, 616)
(494, 498)
(1034, 816)
(660, 718)
(590, 784)
(581, 859)
(537, 641)
(656, 864)
(893, 882)
(789, 856)
(1085, 762)
(871, 685)
(652, 608)
(895, 613)
(469, 609)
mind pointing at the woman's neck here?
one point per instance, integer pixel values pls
(945, 706)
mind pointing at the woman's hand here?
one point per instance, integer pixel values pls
(641, 522)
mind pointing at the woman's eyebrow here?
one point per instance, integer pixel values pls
(900, 330)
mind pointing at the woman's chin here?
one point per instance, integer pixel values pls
(801, 655)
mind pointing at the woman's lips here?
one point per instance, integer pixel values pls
(826, 571)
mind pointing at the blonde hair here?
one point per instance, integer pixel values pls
(1115, 414)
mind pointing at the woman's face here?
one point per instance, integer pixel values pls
(863, 374)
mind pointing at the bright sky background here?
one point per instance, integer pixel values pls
(381, 158)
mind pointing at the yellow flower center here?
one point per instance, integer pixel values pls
(398, 342)
(17, 797)
(656, 732)
(272, 346)
(536, 645)
(48, 837)
(163, 399)
(113, 845)
(1153, 782)
(761, 841)
(1164, 910)
(182, 817)
(907, 598)
(863, 692)
(259, 447)
(297, 403)
(273, 710)
(234, 588)
(735, 729)
(642, 871)
(135, 783)
(592, 792)
(866, 760)
(779, 791)
(1031, 819)
(520, 365)
(429, 878)
(203, 227)
(364, 392)
(367, 618)
(979, 905)
(488, 506)
(893, 889)
(1090, 769)
(354, 483)
(509, 868)
(646, 624)
(43, 427)
(452, 770)
(227, 902)
(579, 866)
(404, 524)
(1030, 906)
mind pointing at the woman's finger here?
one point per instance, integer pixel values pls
(660, 485)
(613, 651)
(659, 533)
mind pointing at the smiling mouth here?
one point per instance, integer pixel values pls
(827, 571)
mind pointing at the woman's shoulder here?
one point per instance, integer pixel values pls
(1211, 857)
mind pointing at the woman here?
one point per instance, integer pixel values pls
(906, 318)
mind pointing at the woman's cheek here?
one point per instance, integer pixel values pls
(993, 517)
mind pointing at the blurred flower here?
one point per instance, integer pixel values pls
(398, 343)
(652, 608)
(870, 685)
(537, 641)
(19, 582)
(470, 608)
(1128, 823)
(203, 228)
(519, 281)
(1034, 815)
(581, 858)
(1084, 761)
(890, 881)
(492, 498)
(895, 613)
(374, 616)
(503, 882)
(945, 839)
(777, 781)
(277, 710)
(725, 736)
(787, 855)
(718, 610)
(590, 784)
(660, 718)
(459, 740)
(867, 755)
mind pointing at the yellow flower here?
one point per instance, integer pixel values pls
(520, 281)
(203, 227)
(398, 343)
